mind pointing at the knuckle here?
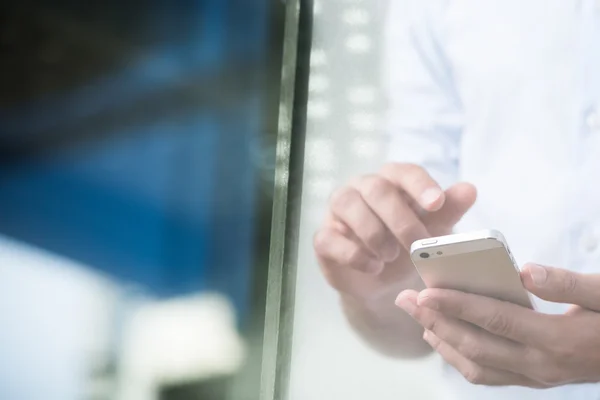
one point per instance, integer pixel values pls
(331, 277)
(374, 236)
(410, 169)
(390, 168)
(344, 197)
(458, 307)
(554, 342)
(404, 229)
(435, 344)
(354, 256)
(564, 351)
(498, 324)
(470, 348)
(544, 369)
(415, 175)
(548, 370)
(428, 321)
(401, 168)
(375, 187)
(569, 283)
(419, 315)
(321, 242)
(533, 357)
(474, 375)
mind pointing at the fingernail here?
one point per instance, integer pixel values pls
(430, 196)
(539, 275)
(426, 335)
(406, 303)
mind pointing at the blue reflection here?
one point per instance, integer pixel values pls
(143, 173)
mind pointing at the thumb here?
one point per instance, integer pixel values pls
(459, 199)
(562, 286)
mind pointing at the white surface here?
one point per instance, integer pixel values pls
(178, 341)
(344, 139)
(55, 321)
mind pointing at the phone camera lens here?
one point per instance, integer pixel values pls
(424, 255)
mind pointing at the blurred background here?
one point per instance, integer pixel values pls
(137, 148)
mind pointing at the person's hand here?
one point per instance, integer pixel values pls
(501, 344)
(362, 246)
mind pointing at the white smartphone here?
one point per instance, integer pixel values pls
(477, 262)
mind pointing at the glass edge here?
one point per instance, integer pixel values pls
(277, 344)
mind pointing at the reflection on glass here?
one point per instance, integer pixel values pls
(433, 117)
(137, 145)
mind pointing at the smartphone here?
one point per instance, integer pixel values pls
(478, 262)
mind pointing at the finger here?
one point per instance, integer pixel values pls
(407, 300)
(336, 251)
(500, 318)
(389, 205)
(348, 206)
(459, 199)
(562, 286)
(473, 343)
(473, 372)
(417, 183)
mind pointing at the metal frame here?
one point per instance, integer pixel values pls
(279, 315)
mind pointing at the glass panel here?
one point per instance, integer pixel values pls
(137, 154)
(345, 138)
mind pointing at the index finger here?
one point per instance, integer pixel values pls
(417, 183)
(497, 317)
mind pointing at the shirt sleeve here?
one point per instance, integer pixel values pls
(425, 120)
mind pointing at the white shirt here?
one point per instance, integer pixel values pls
(506, 94)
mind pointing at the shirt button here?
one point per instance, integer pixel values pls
(593, 121)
